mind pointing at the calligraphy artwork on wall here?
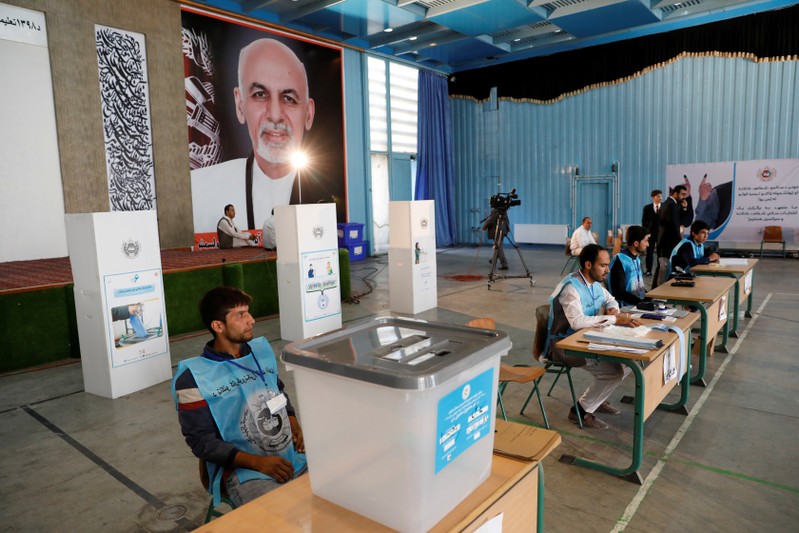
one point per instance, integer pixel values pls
(125, 102)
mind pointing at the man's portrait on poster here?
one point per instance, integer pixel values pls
(257, 102)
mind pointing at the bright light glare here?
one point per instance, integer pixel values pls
(299, 160)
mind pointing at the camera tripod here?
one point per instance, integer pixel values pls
(501, 232)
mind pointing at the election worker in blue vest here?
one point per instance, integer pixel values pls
(625, 279)
(581, 301)
(231, 405)
(691, 250)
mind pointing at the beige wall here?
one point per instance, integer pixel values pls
(70, 33)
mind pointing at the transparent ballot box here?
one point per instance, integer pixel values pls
(398, 415)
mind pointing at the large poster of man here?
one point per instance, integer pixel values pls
(265, 114)
(737, 199)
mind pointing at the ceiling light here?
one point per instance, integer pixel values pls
(558, 31)
(388, 30)
(516, 40)
(413, 38)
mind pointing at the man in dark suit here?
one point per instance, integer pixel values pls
(651, 223)
(675, 212)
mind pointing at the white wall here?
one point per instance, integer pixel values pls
(31, 194)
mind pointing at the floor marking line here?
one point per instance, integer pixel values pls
(635, 503)
(151, 499)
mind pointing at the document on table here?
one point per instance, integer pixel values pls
(595, 346)
(732, 261)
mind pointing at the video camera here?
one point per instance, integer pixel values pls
(504, 200)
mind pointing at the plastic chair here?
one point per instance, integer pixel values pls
(513, 374)
(616, 246)
(772, 235)
(213, 512)
(558, 368)
(571, 258)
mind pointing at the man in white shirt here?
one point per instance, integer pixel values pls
(582, 237)
(581, 301)
(228, 235)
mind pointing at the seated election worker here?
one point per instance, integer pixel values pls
(691, 250)
(581, 301)
(582, 237)
(231, 406)
(228, 235)
(625, 279)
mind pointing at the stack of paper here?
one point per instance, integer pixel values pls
(596, 347)
(613, 336)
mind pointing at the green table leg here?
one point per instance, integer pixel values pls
(700, 368)
(631, 472)
(725, 331)
(734, 331)
(540, 518)
(751, 293)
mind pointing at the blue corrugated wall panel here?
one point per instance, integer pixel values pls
(693, 110)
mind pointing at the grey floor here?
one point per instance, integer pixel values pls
(72, 461)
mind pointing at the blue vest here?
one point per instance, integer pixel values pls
(236, 391)
(632, 274)
(699, 252)
(592, 299)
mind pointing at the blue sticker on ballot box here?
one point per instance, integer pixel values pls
(463, 418)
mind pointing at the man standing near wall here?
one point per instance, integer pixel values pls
(675, 213)
(651, 224)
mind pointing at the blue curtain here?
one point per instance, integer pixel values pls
(434, 170)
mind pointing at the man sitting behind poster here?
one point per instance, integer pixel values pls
(228, 235)
(691, 250)
(272, 99)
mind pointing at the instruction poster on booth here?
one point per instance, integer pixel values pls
(135, 316)
(321, 292)
(464, 417)
(424, 256)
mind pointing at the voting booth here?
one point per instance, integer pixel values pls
(307, 270)
(119, 301)
(412, 256)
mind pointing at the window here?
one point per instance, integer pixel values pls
(400, 83)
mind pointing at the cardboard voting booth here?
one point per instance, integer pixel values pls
(119, 301)
(412, 269)
(307, 270)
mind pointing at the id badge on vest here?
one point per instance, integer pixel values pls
(265, 422)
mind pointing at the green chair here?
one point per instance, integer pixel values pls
(572, 259)
(213, 511)
(550, 367)
(513, 374)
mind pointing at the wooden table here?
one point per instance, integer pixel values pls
(649, 387)
(708, 296)
(742, 290)
(511, 488)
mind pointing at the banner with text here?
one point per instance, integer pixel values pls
(738, 199)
